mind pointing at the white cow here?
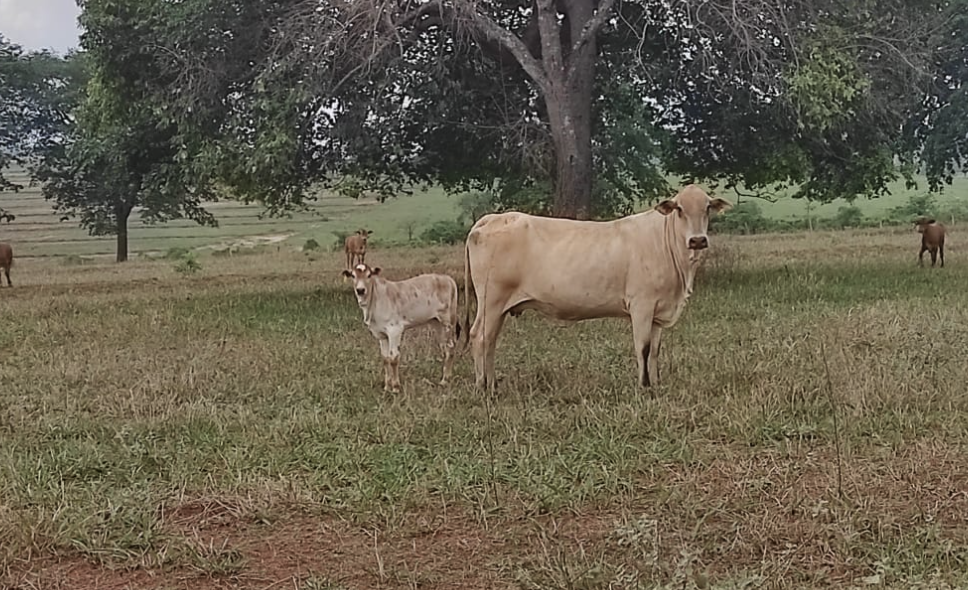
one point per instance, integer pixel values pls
(392, 307)
(639, 267)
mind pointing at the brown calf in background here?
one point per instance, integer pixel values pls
(932, 240)
(355, 248)
(6, 261)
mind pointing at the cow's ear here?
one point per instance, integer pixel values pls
(667, 206)
(347, 274)
(374, 271)
(369, 232)
(720, 205)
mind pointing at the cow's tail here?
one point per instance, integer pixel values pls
(468, 291)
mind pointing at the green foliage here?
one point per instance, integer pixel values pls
(310, 245)
(917, 205)
(177, 253)
(445, 232)
(746, 217)
(849, 216)
(826, 85)
(37, 92)
(120, 153)
(188, 264)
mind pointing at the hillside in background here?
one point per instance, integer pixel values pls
(38, 232)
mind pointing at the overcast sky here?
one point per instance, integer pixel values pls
(40, 24)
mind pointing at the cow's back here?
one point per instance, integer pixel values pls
(566, 268)
(417, 300)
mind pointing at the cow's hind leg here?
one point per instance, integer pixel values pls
(484, 335)
(940, 253)
(6, 272)
(642, 342)
(653, 360)
(934, 256)
(921, 255)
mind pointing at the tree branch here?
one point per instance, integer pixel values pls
(490, 29)
(550, 38)
(593, 26)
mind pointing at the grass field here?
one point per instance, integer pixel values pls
(38, 232)
(228, 430)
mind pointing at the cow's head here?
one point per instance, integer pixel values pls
(692, 206)
(922, 224)
(362, 277)
(364, 234)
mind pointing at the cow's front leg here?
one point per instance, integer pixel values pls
(394, 336)
(385, 355)
(653, 360)
(642, 343)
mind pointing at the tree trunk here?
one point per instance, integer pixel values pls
(569, 115)
(122, 212)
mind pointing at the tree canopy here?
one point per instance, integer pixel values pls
(37, 93)
(120, 154)
(570, 107)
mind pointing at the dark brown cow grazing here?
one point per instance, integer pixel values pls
(932, 240)
(6, 261)
(355, 248)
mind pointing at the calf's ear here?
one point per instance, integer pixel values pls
(666, 207)
(719, 205)
(347, 274)
(374, 271)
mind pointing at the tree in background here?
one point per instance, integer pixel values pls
(579, 105)
(120, 155)
(37, 93)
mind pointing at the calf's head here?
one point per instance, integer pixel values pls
(362, 277)
(922, 224)
(692, 207)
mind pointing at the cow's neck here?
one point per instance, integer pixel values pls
(684, 266)
(369, 306)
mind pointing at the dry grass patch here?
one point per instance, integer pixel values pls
(162, 430)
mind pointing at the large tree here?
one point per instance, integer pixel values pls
(38, 90)
(592, 96)
(120, 155)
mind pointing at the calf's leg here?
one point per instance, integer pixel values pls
(940, 253)
(395, 336)
(934, 256)
(385, 355)
(447, 341)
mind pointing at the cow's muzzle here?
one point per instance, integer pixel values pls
(361, 292)
(698, 243)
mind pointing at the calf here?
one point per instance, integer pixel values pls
(392, 307)
(6, 261)
(932, 240)
(355, 248)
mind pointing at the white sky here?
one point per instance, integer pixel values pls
(40, 24)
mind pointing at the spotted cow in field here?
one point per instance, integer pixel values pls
(392, 307)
